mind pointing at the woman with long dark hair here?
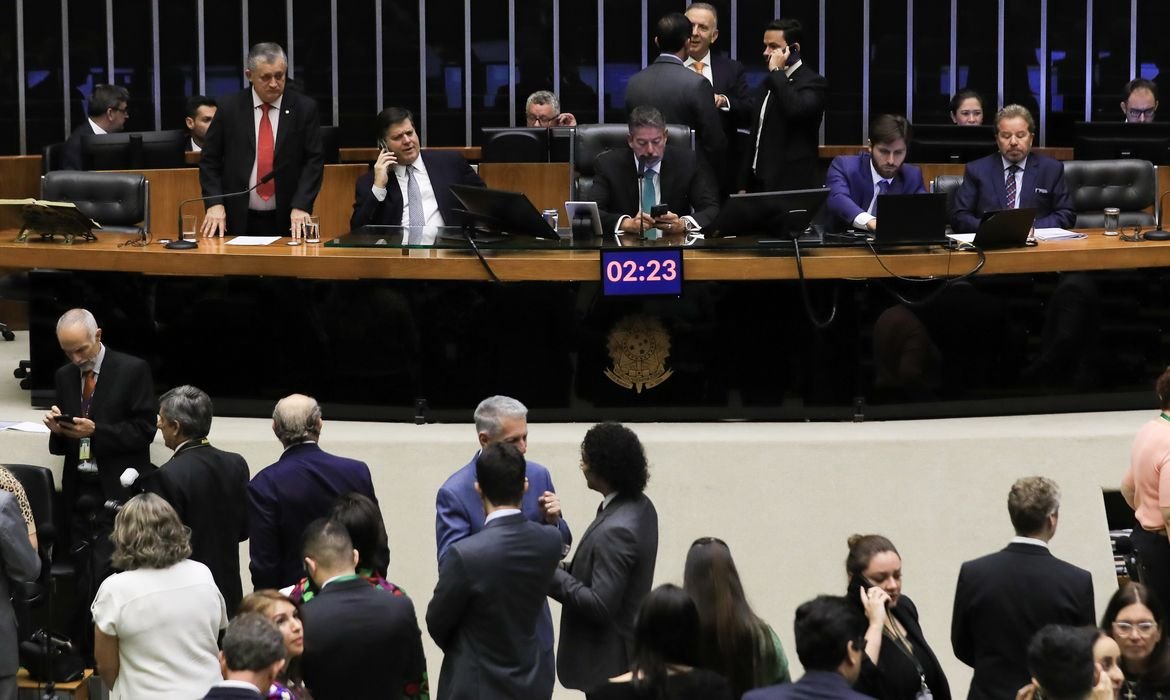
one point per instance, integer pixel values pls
(733, 640)
(1134, 618)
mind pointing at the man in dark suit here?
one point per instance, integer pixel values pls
(404, 175)
(727, 77)
(829, 641)
(200, 113)
(360, 641)
(680, 94)
(672, 176)
(251, 657)
(263, 130)
(459, 509)
(610, 574)
(1002, 599)
(108, 112)
(300, 486)
(785, 126)
(855, 182)
(1014, 178)
(491, 591)
(206, 486)
(19, 563)
(111, 401)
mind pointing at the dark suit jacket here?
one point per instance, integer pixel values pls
(600, 591)
(285, 497)
(230, 149)
(360, 640)
(71, 158)
(729, 79)
(895, 677)
(208, 489)
(1001, 600)
(850, 183)
(685, 181)
(684, 97)
(444, 168)
(813, 685)
(221, 693)
(1042, 187)
(124, 411)
(789, 134)
(486, 606)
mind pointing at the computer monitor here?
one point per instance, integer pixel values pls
(950, 143)
(515, 145)
(772, 213)
(500, 211)
(330, 144)
(1105, 141)
(134, 150)
(560, 144)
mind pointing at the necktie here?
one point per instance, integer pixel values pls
(698, 66)
(883, 186)
(88, 384)
(648, 198)
(414, 199)
(264, 148)
(1009, 186)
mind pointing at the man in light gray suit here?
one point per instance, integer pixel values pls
(681, 94)
(491, 591)
(612, 569)
(20, 563)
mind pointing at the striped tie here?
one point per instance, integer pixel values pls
(1009, 185)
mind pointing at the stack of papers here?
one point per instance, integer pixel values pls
(1057, 234)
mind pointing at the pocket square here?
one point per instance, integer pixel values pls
(1041, 190)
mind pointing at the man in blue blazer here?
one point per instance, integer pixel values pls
(382, 197)
(298, 488)
(830, 635)
(459, 511)
(855, 182)
(1038, 180)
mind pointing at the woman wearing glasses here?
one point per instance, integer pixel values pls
(734, 641)
(898, 664)
(1134, 618)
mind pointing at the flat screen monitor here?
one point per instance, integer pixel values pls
(134, 150)
(950, 143)
(560, 143)
(1105, 141)
(770, 213)
(330, 144)
(500, 211)
(515, 145)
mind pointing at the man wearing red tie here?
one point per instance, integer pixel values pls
(267, 139)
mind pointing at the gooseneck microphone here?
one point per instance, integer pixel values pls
(182, 243)
(1160, 233)
(641, 197)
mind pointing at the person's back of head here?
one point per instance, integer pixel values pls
(297, 419)
(613, 453)
(362, 519)
(672, 32)
(1034, 505)
(666, 632)
(253, 651)
(499, 474)
(829, 633)
(1060, 659)
(190, 407)
(328, 551)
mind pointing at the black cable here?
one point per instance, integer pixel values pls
(478, 254)
(947, 284)
(808, 310)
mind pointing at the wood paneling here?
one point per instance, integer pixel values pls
(546, 184)
(20, 177)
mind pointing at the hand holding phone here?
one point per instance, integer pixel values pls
(64, 418)
(382, 166)
(873, 599)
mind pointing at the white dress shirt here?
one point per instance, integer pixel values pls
(430, 203)
(788, 71)
(96, 129)
(862, 220)
(706, 61)
(254, 200)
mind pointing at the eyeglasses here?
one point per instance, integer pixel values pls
(1143, 629)
(1140, 114)
(542, 120)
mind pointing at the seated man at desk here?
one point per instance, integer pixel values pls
(1013, 178)
(855, 182)
(108, 113)
(674, 178)
(420, 193)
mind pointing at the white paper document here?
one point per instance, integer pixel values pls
(1057, 234)
(25, 427)
(253, 240)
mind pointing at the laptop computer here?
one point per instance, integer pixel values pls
(911, 219)
(779, 216)
(1006, 228)
(501, 211)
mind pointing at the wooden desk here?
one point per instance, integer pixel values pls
(77, 690)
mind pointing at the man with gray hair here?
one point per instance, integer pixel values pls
(108, 111)
(542, 109)
(206, 486)
(298, 488)
(251, 657)
(459, 511)
(259, 132)
(1004, 598)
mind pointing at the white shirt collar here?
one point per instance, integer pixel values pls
(500, 514)
(96, 129)
(705, 60)
(256, 101)
(298, 444)
(608, 499)
(877, 177)
(418, 165)
(1029, 540)
(792, 69)
(1023, 164)
(653, 167)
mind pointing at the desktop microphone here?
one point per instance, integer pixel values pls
(184, 244)
(1158, 234)
(641, 196)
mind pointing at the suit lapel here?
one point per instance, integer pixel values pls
(247, 116)
(1000, 174)
(285, 125)
(605, 513)
(1027, 192)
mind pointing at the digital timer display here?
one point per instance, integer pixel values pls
(646, 271)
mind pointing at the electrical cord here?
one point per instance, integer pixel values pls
(482, 261)
(808, 309)
(931, 296)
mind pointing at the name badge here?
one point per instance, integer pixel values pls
(84, 465)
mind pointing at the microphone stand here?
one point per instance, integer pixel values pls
(1158, 234)
(184, 244)
(641, 191)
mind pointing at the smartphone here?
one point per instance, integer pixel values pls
(793, 54)
(63, 418)
(382, 145)
(659, 210)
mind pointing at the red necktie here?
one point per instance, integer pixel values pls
(88, 384)
(264, 148)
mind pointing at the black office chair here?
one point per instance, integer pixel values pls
(39, 487)
(591, 140)
(1127, 184)
(120, 202)
(948, 184)
(52, 157)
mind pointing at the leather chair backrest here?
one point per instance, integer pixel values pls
(1128, 184)
(591, 140)
(52, 157)
(120, 202)
(948, 184)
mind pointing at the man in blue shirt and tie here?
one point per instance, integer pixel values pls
(855, 182)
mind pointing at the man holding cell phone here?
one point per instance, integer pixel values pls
(677, 192)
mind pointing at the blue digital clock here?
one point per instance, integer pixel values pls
(644, 271)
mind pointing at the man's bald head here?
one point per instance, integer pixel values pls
(296, 419)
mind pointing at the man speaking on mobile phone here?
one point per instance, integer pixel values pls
(407, 187)
(677, 192)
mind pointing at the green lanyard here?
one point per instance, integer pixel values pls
(1165, 417)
